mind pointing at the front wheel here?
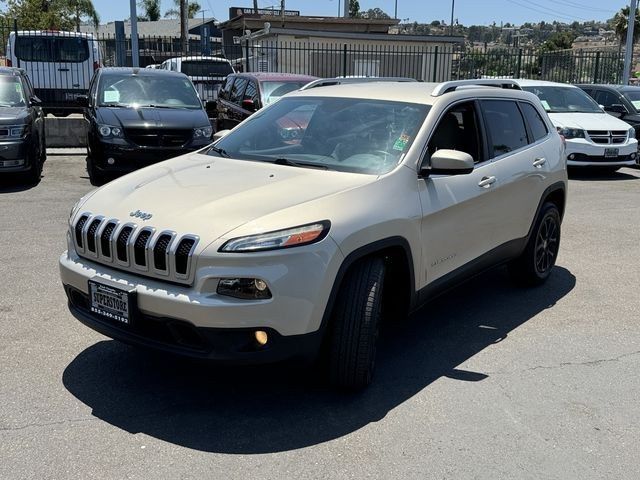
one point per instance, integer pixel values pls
(354, 325)
(96, 177)
(534, 266)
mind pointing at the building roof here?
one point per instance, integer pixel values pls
(167, 27)
(366, 36)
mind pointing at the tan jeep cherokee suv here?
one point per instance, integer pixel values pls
(291, 233)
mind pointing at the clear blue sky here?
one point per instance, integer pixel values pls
(481, 12)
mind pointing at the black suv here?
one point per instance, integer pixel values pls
(22, 143)
(621, 101)
(140, 116)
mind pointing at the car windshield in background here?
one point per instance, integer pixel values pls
(634, 98)
(272, 91)
(52, 49)
(11, 93)
(205, 68)
(147, 91)
(345, 134)
(564, 99)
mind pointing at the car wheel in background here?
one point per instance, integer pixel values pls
(96, 177)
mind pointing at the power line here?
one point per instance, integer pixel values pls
(571, 4)
(547, 12)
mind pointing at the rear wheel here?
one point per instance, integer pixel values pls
(534, 266)
(354, 325)
(96, 177)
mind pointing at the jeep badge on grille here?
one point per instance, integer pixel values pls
(141, 215)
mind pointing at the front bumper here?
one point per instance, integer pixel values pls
(194, 320)
(13, 156)
(583, 153)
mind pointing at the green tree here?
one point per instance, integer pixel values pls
(354, 8)
(151, 10)
(192, 9)
(374, 13)
(558, 41)
(51, 14)
(621, 23)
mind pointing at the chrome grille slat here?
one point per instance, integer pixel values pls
(164, 255)
(607, 137)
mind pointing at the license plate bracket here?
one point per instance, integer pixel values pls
(611, 152)
(112, 301)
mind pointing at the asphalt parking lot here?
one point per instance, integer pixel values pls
(489, 381)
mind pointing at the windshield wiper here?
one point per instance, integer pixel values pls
(220, 151)
(114, 104)
(293, 163)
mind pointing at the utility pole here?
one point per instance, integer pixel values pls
(135, 52)
(395, 10)
(628, 54)
(184, 25)
(453, 6)
(346, 9)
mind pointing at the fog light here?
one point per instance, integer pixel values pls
(633, 155)
(244, 288)
(261, 337)
(572, 156)
(111, 160)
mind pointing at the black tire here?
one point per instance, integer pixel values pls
(354, 325)
(96, 177)
(43, 150)
(535, 264)
(32, 176)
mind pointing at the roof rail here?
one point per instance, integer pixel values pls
(446, 87)
(325, 82)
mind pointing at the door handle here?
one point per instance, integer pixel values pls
(63, 69)
(486, 182)
(539, 162)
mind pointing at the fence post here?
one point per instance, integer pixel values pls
(435, 64)
(344, 60)
(518, 64)
(246, 56)
(121, 44)
(15, 29)
(597, 67)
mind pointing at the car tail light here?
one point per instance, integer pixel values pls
(96, 66)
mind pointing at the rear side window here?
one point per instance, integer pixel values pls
(52, 49)
(607, 98)
(238, 90)
(251, 93)
(506, 126)
(536, 123)
(205, 68)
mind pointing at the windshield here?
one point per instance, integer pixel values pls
(139, 91)
(634, 98)
(205, 68)
(345, 134)
(272, 91)
(11, 92)
(565, 100)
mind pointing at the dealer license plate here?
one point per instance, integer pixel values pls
(110, 302)
(610, 152)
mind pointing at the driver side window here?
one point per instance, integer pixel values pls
(458, 130)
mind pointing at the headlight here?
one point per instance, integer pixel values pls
(632, 132)
(571, 132)
(291, 237)
(203, 132)
(15, 131)
(108, 131)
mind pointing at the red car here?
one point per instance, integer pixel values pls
(245, 93)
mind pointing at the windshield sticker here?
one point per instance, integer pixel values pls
(18, 87)
(545, 104)
(111, 96)
(401, 142)
(636, 104)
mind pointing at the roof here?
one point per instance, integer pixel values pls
(410, 92)
(13, 71)
(146, 72)
(277, 77)
(310, 19)
(541, 83)
(51, 33)
(385, 37)
(197, 58)
(167, 27)
(623, 88)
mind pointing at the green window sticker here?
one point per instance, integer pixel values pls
(18, 87)
(545, 104)
(401, 142)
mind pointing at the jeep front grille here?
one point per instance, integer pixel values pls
(139, 249)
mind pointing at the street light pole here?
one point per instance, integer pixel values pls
(395, 11)
(628, 54)
(453, 6)
(135, 53)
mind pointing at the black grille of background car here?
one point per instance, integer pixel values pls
(606, 137)
(158, 138)
(164, 255)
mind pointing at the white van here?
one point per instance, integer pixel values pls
(60, 64)
(206, 73)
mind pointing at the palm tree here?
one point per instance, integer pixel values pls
(151, 9)
(192, 9)
(82, 9)
(621, 22)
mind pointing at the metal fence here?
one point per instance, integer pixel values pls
(61, 64)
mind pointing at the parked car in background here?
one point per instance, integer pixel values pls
(620, 101)
(593, 138)
(59, 64)
(261, 248)
(206, 73)
(140, 116)
(245, 93)
(22, 138)
(154, 65)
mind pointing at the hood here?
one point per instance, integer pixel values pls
(13, 115)
(210, 196)
(152, 117)
(588, 121)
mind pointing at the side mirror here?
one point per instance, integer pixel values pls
(35, 101)
(218, 135)
(249, 105)
(448, 162)
(616, 108)
(83, 100)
